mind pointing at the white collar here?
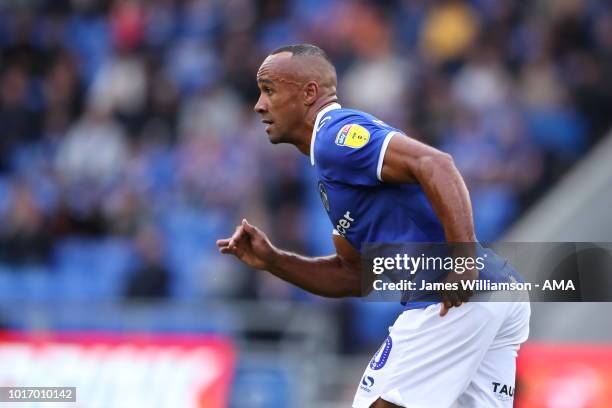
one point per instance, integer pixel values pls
(322, 112)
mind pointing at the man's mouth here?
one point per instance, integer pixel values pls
(268, 123)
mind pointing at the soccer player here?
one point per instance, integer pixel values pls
(380, 186)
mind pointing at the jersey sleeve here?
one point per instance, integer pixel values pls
(354, 151)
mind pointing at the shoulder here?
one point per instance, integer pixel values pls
(332, 122)
(343, 132)
(348, 145)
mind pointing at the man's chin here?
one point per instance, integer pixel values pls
(274, 138)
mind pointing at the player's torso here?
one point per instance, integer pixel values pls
(381, 214)
(361, 208)
(347, 150)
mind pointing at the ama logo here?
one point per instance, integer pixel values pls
(380, 358)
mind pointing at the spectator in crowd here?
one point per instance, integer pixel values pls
(151, 278)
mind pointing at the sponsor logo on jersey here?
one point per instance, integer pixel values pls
(503, 392)
(323, 194)
(353, 136)
(344, 223)
(380, 358)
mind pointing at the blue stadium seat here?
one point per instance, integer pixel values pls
(114, 260)
(10, 285)
(261, 385)
(95, 269)
(371, 320)
(37, 283)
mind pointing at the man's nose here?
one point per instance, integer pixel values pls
(260, 106)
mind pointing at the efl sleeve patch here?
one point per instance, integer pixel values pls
(353, 136)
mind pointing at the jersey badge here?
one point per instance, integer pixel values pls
(353, 136)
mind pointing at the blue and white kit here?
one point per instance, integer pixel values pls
(427, 360)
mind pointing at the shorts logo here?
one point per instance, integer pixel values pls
(366, 383)
(354, 136)
(380, 358)
(502, 391)
(323, 194)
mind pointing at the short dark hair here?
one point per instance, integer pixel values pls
(303, 49)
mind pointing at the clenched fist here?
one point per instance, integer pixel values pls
(250, 245)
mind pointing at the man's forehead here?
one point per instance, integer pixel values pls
(273, 65)
(285, 55)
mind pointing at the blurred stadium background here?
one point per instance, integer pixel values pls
(128, 145)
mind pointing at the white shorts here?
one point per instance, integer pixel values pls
(465, 359)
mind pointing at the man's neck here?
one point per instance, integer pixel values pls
(311, 117)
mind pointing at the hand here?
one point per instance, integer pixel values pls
(456, 298)
(250, 245)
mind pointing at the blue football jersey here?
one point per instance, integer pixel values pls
(347, 150)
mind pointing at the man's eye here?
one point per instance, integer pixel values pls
(267, 91)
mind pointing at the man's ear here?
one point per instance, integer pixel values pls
(311, 93)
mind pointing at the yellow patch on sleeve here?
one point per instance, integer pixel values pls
(352, 135)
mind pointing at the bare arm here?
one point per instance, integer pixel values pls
(410, 161)
(335, 275)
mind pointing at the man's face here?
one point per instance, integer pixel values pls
(279, 104)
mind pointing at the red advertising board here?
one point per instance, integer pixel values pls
(122, 369)
(564, 376)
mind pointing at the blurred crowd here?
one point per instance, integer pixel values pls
(127, 131)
